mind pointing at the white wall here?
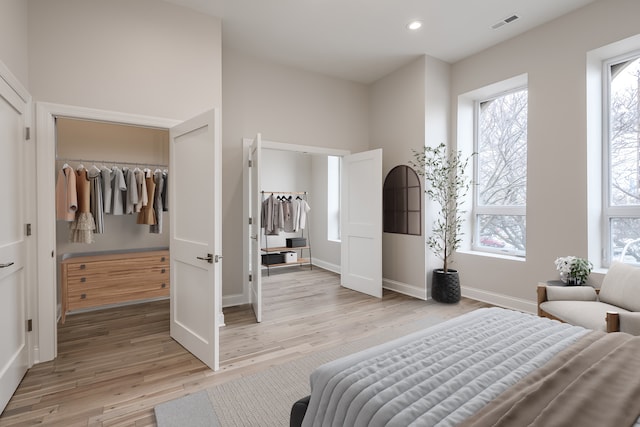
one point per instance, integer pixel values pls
(13, 38)
(144, 57)
(285, 171)
(326, 253)
(409, 110)
(285, 105)
(555, 58)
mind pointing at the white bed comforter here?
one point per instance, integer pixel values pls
(435, 377)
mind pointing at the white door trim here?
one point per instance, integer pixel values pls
(246, 248)
(46, 113)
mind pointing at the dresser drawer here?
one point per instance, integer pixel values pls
(100, 280)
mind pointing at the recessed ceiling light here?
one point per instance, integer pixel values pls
(414, 25)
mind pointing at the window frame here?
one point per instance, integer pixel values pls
(478, 210)
(389, 197)
(610, 212)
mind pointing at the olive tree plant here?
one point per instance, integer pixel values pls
(447, 185)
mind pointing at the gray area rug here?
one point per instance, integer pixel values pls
(194, 410)
(265, 398)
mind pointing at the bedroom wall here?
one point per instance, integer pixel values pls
(555, 58)
(410, 108)
(397, 126)
(285, 105)
(14, 39)
(144, 57)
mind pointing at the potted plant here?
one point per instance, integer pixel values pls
(446, 184)
(573, 270)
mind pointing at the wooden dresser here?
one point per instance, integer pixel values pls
(99, 280)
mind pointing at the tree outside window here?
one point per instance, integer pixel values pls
(623, 205)
(501, 173)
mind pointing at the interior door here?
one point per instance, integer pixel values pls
(255, 241)
(361, 222)
(14, 353)
(195, 241)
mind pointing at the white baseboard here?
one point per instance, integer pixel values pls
(500, 300)
(327, 265)
(405, 289)
(234, 300)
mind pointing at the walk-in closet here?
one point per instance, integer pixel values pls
(112, 232)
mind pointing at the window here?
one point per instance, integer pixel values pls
(501, 173)
(402, 205)
(333, 198)
(622, 158)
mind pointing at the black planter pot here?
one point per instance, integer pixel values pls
(446, 286)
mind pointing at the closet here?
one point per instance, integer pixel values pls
(125, 258)
(285, 212)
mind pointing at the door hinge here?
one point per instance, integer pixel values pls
(251, 277)
(29, 325)
(250, 220)
(250, 163)
(27, 230)
(27, 133)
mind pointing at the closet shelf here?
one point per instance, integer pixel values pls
(283, 249)
(300, 261)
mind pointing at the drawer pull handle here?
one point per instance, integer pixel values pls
(83, 279)
(83, 266)
(163, 259)
(83, 296)
(163, 271)
(164, 285)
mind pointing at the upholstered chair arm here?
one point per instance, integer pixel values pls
(629, 322)
(571, 293)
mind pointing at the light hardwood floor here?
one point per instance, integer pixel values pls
(115, 365)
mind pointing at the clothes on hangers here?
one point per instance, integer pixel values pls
(284, 214)
(302, 211)
(272, 215)
(131, 195)
(147, 214)
(141, 189)
(106, 188)
(96, 206)
(83, 225)
(111, 190)
(66, 194)
(289, 210)
(118, 188)
(157, 204)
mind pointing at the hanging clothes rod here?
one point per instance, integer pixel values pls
(109, 162)
(285, 192)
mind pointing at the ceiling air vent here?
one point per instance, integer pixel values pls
(504, 21)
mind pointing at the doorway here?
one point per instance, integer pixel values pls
(358, 251)
(194, 147)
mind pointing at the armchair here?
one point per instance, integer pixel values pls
(614, 307)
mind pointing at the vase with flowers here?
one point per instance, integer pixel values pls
(573, 270)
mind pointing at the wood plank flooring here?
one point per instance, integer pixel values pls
(115, 365)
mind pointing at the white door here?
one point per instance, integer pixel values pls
(255, 241)
(14, 354)
(195, 243)
(361, 222)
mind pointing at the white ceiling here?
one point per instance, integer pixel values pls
(363, 40)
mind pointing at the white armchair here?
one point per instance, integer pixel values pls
(616, 307)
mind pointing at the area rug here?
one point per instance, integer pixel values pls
(194, 410)
(265, 398)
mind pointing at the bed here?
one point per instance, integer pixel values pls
(489, 367)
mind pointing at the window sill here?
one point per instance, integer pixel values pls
(494, 255)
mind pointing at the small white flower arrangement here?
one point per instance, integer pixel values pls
(573, 270)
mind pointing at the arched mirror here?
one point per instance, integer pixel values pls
(402, 201)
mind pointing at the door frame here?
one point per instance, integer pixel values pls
(46, 344)
(246, 177)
